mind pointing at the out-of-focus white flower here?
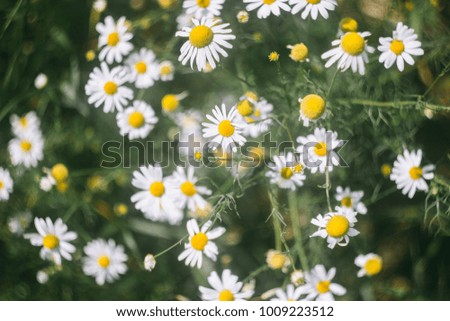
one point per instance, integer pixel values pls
(149, 262)
(40, 81)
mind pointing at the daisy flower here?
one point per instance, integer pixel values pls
(155, 198)
(400, 47)
(185, 191)
(17, 224)
(6, 184)
(144, 69)
(104, 260)
(370, 264)
(254, 116)
(312, 108)
(26, 149)
(166, 70)
(203, 8)
(200, 243)
(149, 262)
(114, 39)
(206, 39)
(350, 201)
(347, 24)
(291, 294)
(27, 123)
(136, 121)
(336, 227)
(57, 175)
(351, 50)
(319, 148)
(267, 7)
(313, 7)
(224, 129)
(286, 172)
(226, 288)
(171, 102)
(318, 284)
(409, 175)
(299, 52)
(190, 124)
(106, 87)
(54, 239)
(277, 260)
(184, 20)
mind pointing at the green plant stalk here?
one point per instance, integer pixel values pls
(327, 187)
(297, 231)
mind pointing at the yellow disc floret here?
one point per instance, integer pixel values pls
(373, 266)
(313, 1)
(269, 2)
(110, 87)
(25, 145)
(337, 226)
(323, 287)
(136, 119)
(203, 3)
(140, 67)
(188, 188)
(299, 52)
(201, 36)
(226, 128)
(347, 201)
(320, 149)
(415, 172)
(226, 295)
(170, 102)
(312, 106)
(348, 25)
(353, 43)
(397, 47)
(113, 39)
(286, 173)
(199, 241)
(157, 189)
(59, 172)
(245, 107)
(50, 241)
(103, 261)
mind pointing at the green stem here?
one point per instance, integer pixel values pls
(391, 104)
(332, 83)
(297, 231)
(435, 81)
(327, 187)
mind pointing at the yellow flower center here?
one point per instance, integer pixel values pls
(103, 261)
(140, 67)
(226, 129)
(313, 1)
(312, 106)
(136, 119)
(165, 70)
(257, 113)
(23, 121)
(199, 241)
(188, 188)
(274, 56)
(299, 52)
(113, 39)
(198, 155)
(373, 266)
(337, 226)
(347, 201)
(157, 189)
(50, 241)
(25, 145)
(60, 172)
(349, 25)
(251, 95)
(353, 43)
(269, 2)
(110, 87)
(1, 184)
(298, 168)
(203, 3)
(249, 120)
(277, 261)
(245, 108)
(170, 102)
(201, 36)
(62, 186)
(397, 46)
(386, 170)
(415, 172)
(286, 173)
(320, 149)
(323, 287)
(226, 295)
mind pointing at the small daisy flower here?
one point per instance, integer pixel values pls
(226, 288)
(144, 69)
(104, 260)
(115, 40)
(200, 243)
(267, 7)
(107, 87)
(190, 123)
(286, 172)
(27, 149)
(166, 70)
(254, 116)
(6, 184)
(336, 227)
(155, 198)
(242, 16)
(277, 260)
(17, 224)
(203, 8)
(149, 262)
(274, 56)
(186, 193)
(137, 121)
(313, 7)
(400, 47)
(297, 277)
(409, 175)
(54, 239)
(319, 148)
(351, 50)
(40, 81)
(386, 170)
(299, 52)
(171, 102)
(224, 128)
(27, 123)
(99, 5)
(291, 294)
(350, 201)
(370, 264)
(312, 108)
(42, 277)
(318, 284)
(347, 24)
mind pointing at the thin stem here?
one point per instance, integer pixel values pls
(435, 81)
(172, 246)
(391, 104)
(327, 187)
(297, 231)
(332, 83)
(255, 273)
(276, 223)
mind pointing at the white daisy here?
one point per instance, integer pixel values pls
(144, 68)
(400, 48)
(312, 108)
(351, 50)
(184, 20)
(267, 7)
(203, 8)
(106, 87)
(313, 7)
(17, 224)
(336, 227)
(226, 131)
(54, 239)
(319, 150)
(27, 149)
(206, 38)
(254, 116)
(286, 172)
(104, 260)
(226, 288)
(408, 175)
(318, 284)
(200, 243)
(6, 184)
(370, 264)
(115, 40)
(166, 70)
(350, 201)
(155, 198)
(27, 123)
(291, 294)
(137, 121)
